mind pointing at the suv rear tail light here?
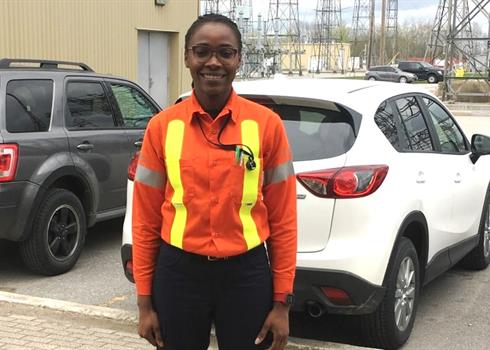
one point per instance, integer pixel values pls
(9, 156)
(346, 182)
(132, 166)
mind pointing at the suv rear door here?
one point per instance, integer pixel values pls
(98, 145)
(135, 109)
(320, 133)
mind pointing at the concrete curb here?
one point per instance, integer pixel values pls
(68, 306)
(126, 316)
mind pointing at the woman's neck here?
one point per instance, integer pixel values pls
(212, 104)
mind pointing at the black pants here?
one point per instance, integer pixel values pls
(191, 293)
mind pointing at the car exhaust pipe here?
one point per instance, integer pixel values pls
(315, 309)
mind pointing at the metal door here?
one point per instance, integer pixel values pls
(153, 60)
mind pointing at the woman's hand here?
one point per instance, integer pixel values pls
(277, 322)
(148, 326)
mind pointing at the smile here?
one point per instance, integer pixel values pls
(212, 76)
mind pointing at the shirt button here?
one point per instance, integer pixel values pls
(214, 200)
(215, 234)
(214, 163)
(213, 131)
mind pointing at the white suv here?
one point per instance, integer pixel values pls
(390, 195)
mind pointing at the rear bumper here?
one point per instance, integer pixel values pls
(365, 296)
(17, 209)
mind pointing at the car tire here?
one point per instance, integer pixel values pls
(391, 324)
(403, 80)
(479, 257)
(58, 234)
(371, 78)
(432, 79)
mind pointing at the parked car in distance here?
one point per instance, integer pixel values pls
(423, 70)
(389, 73)
(66, 137)
(390, 195)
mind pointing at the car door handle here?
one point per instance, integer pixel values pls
(420, 177)
(138, 143)
(457, 179)
(85, 147)
(300, 196)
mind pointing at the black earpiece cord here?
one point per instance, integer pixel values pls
(230, 147)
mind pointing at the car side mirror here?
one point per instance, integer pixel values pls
(480, 146)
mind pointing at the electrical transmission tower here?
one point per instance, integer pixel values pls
(392, 28)
(283, 36)
(327, 37)
(360, 30)
(224, 7)
(459, 46)
(440, 30)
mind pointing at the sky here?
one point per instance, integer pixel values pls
(408, 10)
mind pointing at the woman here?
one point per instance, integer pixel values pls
(214, 184)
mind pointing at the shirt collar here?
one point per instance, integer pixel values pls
(231, 107)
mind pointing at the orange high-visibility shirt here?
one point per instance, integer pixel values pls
(201, 198)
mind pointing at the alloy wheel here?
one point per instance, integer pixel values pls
(405, 293)
(63, 232)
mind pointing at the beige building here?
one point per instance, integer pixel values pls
(142, 40)
(339, 59)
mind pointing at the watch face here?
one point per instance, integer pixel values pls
(289, 299)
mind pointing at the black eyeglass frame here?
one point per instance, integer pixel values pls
(214, 51)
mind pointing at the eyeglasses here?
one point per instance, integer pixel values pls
(203, 53)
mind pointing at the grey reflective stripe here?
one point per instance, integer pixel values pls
(279, 173)
(149, 177)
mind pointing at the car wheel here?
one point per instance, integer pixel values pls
(391, 324)
(371, 78)
(479, 257)
(431, 79)
(403, 80)
(58, 234)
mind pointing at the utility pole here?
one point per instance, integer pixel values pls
(371, 34)
(382, 52)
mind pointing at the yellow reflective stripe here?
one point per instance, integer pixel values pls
(250, 137)
(173, 151)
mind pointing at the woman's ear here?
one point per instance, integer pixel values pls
(186, 58)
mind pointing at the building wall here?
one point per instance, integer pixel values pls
(336, 61)
(100, 33)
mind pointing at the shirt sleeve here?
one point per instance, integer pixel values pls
(279, 193)
(148, 197)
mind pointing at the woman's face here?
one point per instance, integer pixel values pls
(212, 58)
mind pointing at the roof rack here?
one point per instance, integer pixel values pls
(43, 64)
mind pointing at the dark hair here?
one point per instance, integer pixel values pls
(213, 18)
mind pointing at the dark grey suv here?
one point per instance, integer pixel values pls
(66, 137)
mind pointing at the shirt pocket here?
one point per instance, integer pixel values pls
(249, 187)
(180, 184)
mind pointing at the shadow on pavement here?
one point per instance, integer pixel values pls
(331, 328)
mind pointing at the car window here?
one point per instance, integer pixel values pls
(87, 106)
(28, 105)
(450, 137)
(385, 119)
(414, 125)
(316, 133)
(136, 109)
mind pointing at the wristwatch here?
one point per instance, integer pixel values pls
(288, 299)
